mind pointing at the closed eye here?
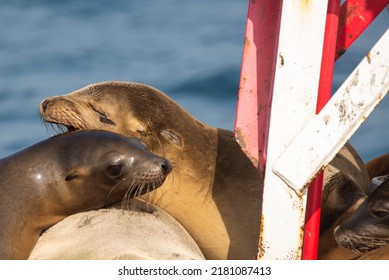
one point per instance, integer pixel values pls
(103, 117)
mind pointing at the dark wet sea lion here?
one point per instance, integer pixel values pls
(345, 181)
(346, 185)
(218, 193)
(66, 174)
(368, 228)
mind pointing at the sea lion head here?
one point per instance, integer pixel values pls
(345, 181)
(132, 109)
(104, 168)
(368, 227)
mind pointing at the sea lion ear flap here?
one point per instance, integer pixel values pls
(172, 137)
(75, 173)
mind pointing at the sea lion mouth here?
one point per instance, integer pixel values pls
(141, 188)
(61, 128)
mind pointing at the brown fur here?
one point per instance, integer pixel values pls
(378, 166)
(381, 253)
(345, 181)
(329, 249)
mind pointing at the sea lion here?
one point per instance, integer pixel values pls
(145, 233)
(378, 166)
(73, 172)
(368, 228)
(217, 194)
(345, 181)
(346, 185)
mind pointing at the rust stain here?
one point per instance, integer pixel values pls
(246, 42)
(282, 61)
(243, 82)
(368, 57)
(261, 246)
(306, 3)
(305, 9)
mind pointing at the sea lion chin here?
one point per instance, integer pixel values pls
(67, 174)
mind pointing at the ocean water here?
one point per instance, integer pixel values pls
(191, 50)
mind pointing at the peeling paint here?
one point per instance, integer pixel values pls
(246, 42)
(240, 139)
(243, 82)
(353, 81)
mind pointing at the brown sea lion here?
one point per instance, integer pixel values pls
(218, 193)
(368, 228)
(66, 174)
(378, 166)
(145, 233)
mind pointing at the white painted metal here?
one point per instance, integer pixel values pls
(325, 134)
(294, 102)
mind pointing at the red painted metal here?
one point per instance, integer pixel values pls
(355, 16)
(256, 79)
(313, 210)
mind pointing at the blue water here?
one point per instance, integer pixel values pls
(191, 50)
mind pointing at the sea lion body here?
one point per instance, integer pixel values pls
(217, 192)
(66, 174)
(368, 228)
(145, 233)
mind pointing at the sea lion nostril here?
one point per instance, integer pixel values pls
(166, 166)
(44, 104)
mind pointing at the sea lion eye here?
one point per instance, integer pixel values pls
(115, 170)
(380, 214)
(141, 132)
(103, 117)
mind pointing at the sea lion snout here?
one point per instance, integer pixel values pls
(43, 104)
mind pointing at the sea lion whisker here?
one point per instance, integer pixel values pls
(127, 196)
(115, 186)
